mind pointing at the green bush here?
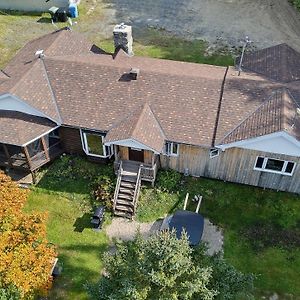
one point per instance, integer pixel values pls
(168, 180)
(296, 3)
(104, 190)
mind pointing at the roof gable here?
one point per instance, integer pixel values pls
(34, 89)
(278, 142)
(279, 113)
(280, 63)
(141, 126)
(10, 102)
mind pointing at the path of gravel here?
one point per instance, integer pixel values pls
(125, 230)
(267, 22)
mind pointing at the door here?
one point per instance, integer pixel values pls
(136, 154)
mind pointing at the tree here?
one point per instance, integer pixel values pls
(160, 268)
(25, 255)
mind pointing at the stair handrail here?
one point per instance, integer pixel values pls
(137, 188)
(120, 171)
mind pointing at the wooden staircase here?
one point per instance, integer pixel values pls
(127, 191)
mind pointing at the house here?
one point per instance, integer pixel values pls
(61, 93)
(32, 5)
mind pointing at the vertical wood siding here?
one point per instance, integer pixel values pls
(148, 157)
(124, 153)
(235, 165)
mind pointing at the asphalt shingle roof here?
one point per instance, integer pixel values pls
(78, 84)
(18, 128)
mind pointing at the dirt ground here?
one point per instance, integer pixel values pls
(220, 22)
(124, 229)
(266, 22)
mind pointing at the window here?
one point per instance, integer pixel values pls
(93, 145)
(172, 149)
(214, 153)
(274, 165)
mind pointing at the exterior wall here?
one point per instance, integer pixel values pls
(31, 5)
(71, 140)
(124, 153)
(235, 165)
(148, 157)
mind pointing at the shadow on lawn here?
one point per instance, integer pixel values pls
(83, 222)
(77, 271)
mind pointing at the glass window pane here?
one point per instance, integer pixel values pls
(289, 167)
(259, 162)
(168, 148)
(95, 145)
(175, 148)
(274, 165)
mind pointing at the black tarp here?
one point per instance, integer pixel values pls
(191, 222)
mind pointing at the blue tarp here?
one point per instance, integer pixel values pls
(73, 10)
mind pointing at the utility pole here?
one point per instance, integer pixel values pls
(246, 42)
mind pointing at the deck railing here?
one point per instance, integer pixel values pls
(137, 189)
(120, 170)
(19, 160)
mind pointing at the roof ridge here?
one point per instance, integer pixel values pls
(145, 106)
(60, 32)
(266, 102)
(288, 96)
(51, 91)
(139, 118)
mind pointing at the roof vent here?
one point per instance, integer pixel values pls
(39, 53)
(134, 73)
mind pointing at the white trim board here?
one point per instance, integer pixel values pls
(278, 142)
(10, 102)
(38, 137)
(131, 143)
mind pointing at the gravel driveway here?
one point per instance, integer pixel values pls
(266, 22)
(125, 230)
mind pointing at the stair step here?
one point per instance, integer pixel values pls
(126, 184)
(126, 191)
(124, 208)
(129, 178)
(125, 202)
(125, 196)
(123, 214)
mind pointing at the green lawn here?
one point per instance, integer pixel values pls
(64, 192)
(148, 42)
(237, 208)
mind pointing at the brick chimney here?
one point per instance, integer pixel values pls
(123, 38)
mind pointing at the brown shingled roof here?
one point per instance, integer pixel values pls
(280, 63)
(170, 100)
(279, 113)
(183, 96)
(141, 126)
(19, 129)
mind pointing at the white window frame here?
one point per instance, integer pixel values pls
(170, 149)
(211, 152)
(85, 147)
(263, 168)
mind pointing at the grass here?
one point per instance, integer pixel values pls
(147, 42)
(235, 208)
(65, 194)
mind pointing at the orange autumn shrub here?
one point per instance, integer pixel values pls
(26, 258)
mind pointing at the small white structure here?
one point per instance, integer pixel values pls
(34, 5)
